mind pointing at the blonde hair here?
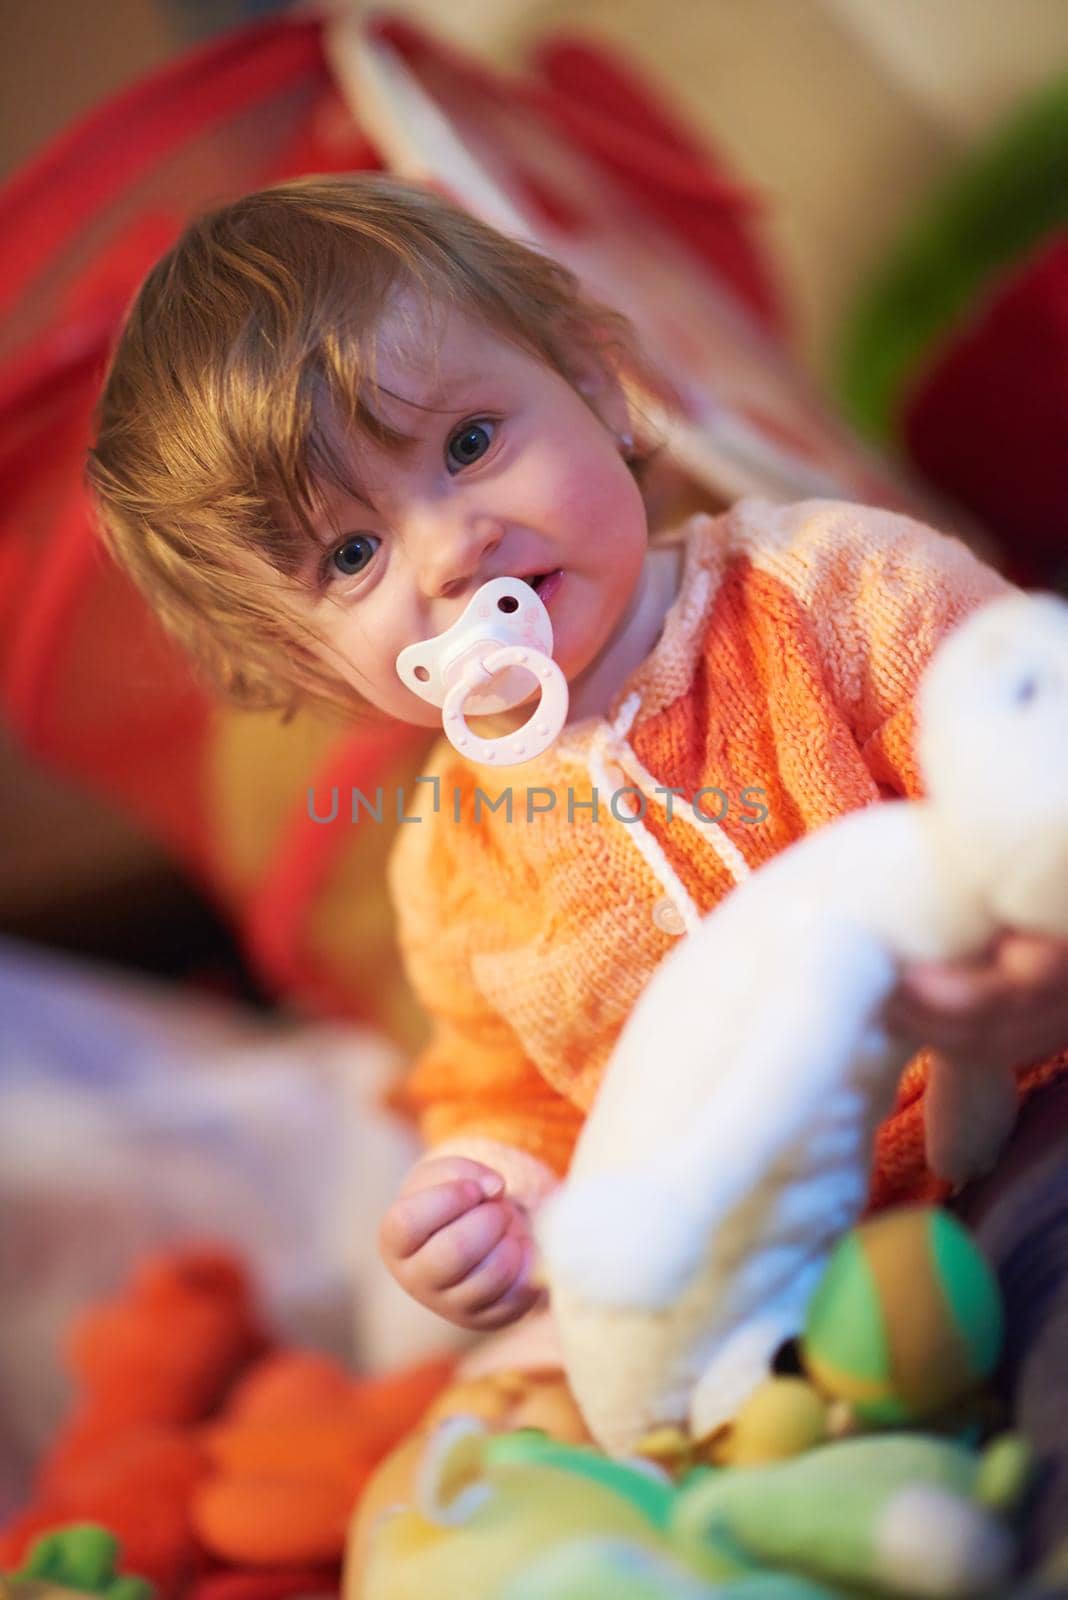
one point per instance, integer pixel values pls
(243, 344)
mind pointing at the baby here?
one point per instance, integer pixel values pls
(337, 409)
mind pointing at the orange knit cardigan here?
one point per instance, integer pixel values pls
(782, 685)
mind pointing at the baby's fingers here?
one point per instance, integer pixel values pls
(433, 1170)
(949, 991)
(505, 1267)
(454, 1252)
(945, 1004)
(415, 1218)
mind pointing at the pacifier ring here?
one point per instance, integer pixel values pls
(540, 728)
(503, 626)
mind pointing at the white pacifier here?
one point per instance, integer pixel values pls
(505, 635)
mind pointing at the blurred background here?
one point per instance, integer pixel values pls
(840, 226)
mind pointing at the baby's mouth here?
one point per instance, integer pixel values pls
(539, 578)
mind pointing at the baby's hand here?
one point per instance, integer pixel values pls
(459, 1245)
(1002, 1010)
(1007, 1007)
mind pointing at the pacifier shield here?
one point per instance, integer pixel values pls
(484, 663)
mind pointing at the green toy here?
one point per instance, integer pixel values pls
(83, 1557)
(522, 1517)
(608, 1569)
(904, 1513)
(907, 1318)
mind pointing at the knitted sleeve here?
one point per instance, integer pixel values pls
(472, 1089)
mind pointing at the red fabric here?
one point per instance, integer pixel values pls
(87, 679)
(94, 163)
(606, 110)
(987, 420)
(603, 109)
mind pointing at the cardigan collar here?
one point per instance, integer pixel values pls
(596, 743)
(667, 669)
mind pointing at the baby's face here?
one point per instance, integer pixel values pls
(513, 474)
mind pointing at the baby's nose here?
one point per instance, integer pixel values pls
(456, 559)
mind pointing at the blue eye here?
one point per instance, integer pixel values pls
(348, 558)
(470, 444)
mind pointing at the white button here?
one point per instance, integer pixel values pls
(668, 918)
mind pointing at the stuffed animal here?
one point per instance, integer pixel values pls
(148, 1366)
(612, 1569)
(731, 1141)
(482, 1508)
(80, 1559)
(245, 1456)
(519, 1516)
(291, 1451)
(899, 1513)
(905, 1327)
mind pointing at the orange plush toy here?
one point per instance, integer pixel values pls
(297, 1442)
(148, 1366)
(226, 1469)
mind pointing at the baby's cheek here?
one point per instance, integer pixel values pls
(595, 500)
(572, 478)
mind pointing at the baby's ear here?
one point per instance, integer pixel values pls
(596, 379)
(588, 376)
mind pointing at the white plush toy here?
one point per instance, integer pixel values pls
(731, 1142)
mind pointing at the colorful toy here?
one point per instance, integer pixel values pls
(902, 1513)
(499, 1402)
(907, 1318)
(291, 1452)
(148, 1366)
(486, 1512)
(611, 1569)
(905, 1323)
(83, 1558)
(783, 1417)
(705, 1196)
(518, 1516)
(481, 1513)
(200, 1449)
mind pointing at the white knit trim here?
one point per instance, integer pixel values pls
(610, 743)
(725, 848)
